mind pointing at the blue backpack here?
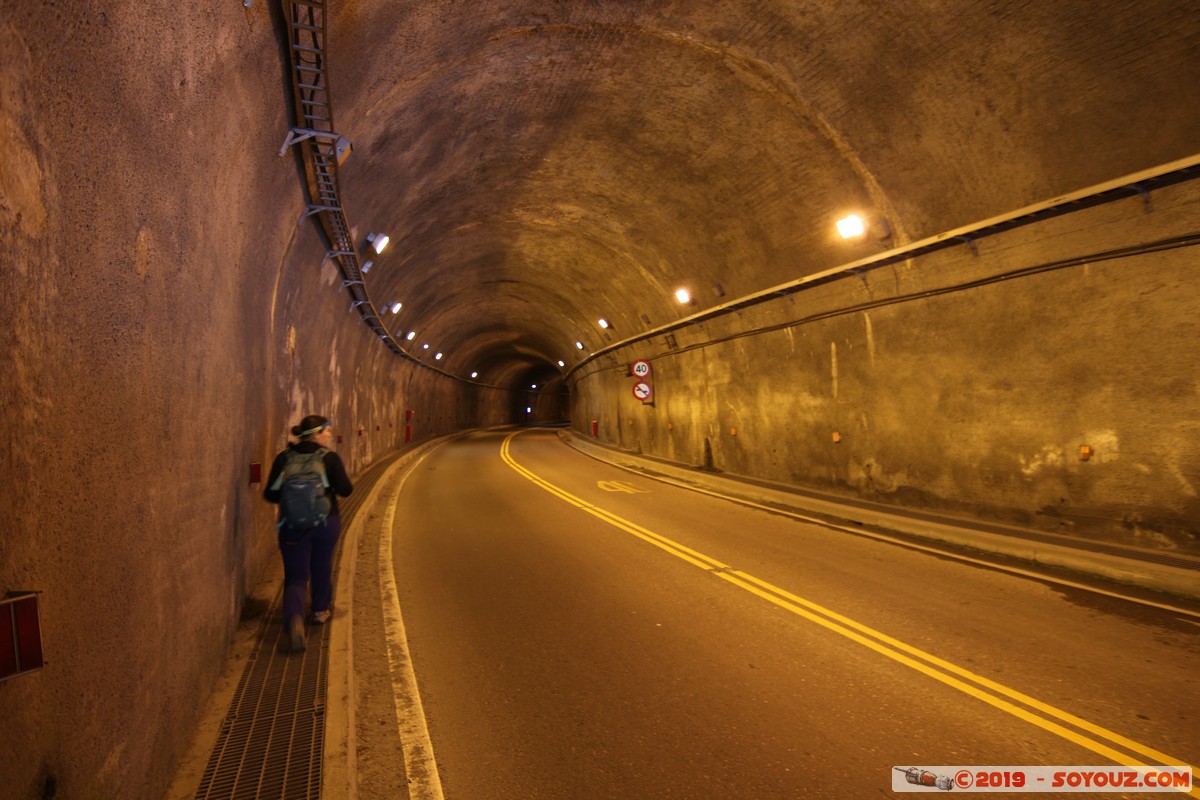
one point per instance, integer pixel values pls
(303, 500)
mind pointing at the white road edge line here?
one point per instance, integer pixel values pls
(424, 783)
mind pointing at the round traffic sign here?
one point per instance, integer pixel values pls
(642, 390)
(641, 368)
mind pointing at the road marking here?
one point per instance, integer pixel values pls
(956, 677)
(911, 545)
(424, 782)
(620, 486)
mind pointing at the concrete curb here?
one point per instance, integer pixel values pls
(339, 772)
(1181, 579)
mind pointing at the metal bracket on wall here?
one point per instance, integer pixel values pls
(1144, 192)
(335, 254)
(296, 135)
(970, 242)
(315, 209)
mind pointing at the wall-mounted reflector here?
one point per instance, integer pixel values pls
(377, 241)
(683, 295)
(366, 267)
(20, 634)
(851, 226)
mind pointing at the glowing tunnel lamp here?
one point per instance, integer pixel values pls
(437, 357)
(377, 241)
(396, 307)
(602, 322)
(474, 374)
(411, 335)
(683, 295)
(851, 226)
(561, 364)
(533, 386)
(579, 345)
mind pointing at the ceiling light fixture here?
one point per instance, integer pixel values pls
(396, 307)
(474, 374)
(683, 295)
(602, 322)
(851, 226)
(411, 335)
(377, 242)
(561, 364)
(579, 345)
(854, 226)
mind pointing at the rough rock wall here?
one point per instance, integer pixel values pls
(951, 382)
(165, 323)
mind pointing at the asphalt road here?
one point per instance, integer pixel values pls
(580, 632)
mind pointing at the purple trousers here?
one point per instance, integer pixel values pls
(308, 556)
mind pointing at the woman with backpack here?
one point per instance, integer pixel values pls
(306, 480)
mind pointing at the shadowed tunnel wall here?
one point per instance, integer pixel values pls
(166, 319)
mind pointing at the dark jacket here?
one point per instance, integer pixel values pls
(339, 481)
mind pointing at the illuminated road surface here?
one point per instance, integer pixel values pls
(580, 632)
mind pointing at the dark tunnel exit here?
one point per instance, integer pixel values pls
(541, 397)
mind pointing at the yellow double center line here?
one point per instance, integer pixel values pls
(1086, 734)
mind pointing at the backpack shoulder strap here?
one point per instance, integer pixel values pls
(283, 470)
(320, 459)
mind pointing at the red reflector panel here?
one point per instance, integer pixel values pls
(29, 633)
(8, 644)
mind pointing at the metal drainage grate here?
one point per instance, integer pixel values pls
(273, 737)
(271, 741)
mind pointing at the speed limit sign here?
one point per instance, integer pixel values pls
(641, 368)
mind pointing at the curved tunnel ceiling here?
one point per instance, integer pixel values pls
(539, 166)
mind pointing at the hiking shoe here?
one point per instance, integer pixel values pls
(296, 632)
(321, 617)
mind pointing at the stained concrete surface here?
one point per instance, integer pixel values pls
(540, 165)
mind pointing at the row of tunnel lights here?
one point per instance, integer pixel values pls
(848, 227)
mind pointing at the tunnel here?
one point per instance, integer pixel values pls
(193, 199)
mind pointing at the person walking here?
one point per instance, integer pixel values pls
(306, 480)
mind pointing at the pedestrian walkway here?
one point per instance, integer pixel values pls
(264, 738)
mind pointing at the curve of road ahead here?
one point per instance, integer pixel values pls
(580, 632)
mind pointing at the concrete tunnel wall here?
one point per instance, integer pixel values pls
(952, 382)
(167, 321)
